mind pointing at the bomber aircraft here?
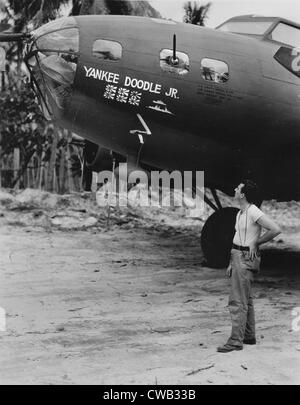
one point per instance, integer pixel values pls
(175, 96)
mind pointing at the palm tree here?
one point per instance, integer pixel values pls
(118, 7)
(35, 12)
(86, 7)
(195, 13)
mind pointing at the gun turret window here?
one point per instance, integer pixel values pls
(179, 65)
(104, 49)
(214, 70)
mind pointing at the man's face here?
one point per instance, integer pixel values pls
(238, 193)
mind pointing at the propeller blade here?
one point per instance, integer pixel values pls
(13, 37)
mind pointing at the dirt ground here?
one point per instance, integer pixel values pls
(134, 304)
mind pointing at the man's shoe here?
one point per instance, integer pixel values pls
(228, 348)
(250, 341)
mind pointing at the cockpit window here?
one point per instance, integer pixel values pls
(180, 65)
(286, 34)
(105, 49)
(214, 70)
(246, 27)
(52, 61)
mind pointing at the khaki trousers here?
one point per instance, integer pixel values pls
(240, 299)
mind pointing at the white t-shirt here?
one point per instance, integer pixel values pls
(246, 227)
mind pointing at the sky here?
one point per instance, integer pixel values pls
(222, 10)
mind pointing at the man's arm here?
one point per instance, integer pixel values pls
(272, 231)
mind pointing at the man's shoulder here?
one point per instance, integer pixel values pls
(255, 208)
(255, 212)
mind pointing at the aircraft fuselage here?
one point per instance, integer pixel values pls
(246, 120)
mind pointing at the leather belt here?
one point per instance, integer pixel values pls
(244, 248)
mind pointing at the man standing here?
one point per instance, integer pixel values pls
(244, 263)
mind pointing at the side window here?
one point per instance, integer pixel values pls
(179, 66)
(214, 70)
(105, 49)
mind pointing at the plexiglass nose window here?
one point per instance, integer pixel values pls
(214, 70)
(55, 64)
(64, 40)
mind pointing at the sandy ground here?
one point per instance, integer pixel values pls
(135, 305)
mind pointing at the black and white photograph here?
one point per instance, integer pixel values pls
(149, 195)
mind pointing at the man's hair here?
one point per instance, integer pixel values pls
(251, 191)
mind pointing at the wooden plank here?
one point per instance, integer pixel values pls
(52, 162)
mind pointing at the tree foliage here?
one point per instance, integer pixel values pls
(33, 12)
(22, 123)
(21, 119)
(195, 13)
